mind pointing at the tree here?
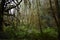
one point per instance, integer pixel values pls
(56, 16)
(3, 9)
(1, 15)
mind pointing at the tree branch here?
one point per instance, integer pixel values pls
(13, 6)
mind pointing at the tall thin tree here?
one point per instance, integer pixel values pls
(56, 15)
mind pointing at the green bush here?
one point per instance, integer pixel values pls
(24, 32)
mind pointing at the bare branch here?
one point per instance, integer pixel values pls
(13, 6)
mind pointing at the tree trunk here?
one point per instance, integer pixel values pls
(1, 18)
(1, 15)
(58, 17)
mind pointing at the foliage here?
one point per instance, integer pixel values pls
(25, 32)
(31, 20)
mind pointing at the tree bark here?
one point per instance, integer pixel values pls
(58, 17)
(2, 35)
(1, 15)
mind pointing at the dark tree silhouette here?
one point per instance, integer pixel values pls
(2, 10)
(1, 14)
(56, 15)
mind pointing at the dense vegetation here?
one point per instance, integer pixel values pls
(30, 19)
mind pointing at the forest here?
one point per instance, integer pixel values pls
(29, 19)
